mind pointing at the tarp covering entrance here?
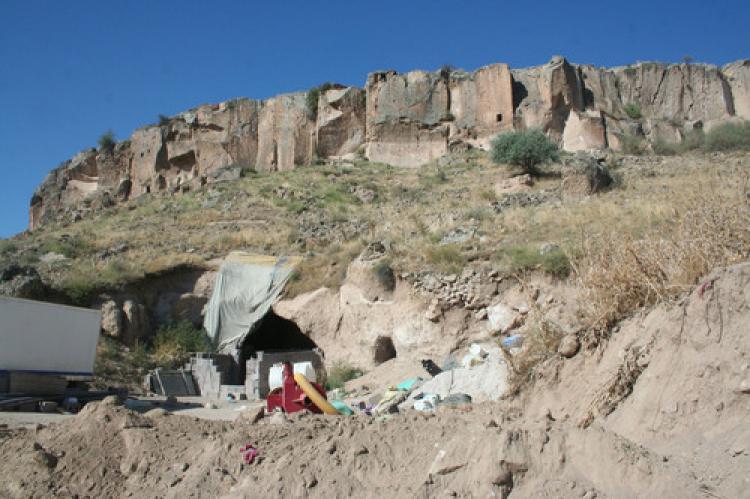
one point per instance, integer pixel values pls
(245, 289)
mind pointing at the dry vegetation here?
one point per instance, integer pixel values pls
(670, 221)
(707, 224)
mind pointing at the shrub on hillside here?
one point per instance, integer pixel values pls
(620, 273)
(107, 141)
(632, 144)
(553, 261)
(175, 340)
(340, 373)
(633, 111)
(527, 149)
(729, 136)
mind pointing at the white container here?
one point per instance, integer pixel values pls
(47, 338)
(307, 370)
(276, 376)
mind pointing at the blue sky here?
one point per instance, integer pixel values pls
(71, 70)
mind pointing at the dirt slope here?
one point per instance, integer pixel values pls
(659, 411)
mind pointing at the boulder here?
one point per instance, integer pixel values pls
(112, 322)
(584, 131)
(21, 282)
(584, 176)
(503, 318)
(569, 346)
(135, 323)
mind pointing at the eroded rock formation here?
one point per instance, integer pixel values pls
(401, 119)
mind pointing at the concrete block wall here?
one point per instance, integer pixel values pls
(210, 371)
(256, 380)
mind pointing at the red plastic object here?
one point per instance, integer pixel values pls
(249, 453)
(290, 397)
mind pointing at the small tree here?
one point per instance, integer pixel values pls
(164, 120)
(527, 149)
(107, 140)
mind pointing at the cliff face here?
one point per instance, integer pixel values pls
(401, 119)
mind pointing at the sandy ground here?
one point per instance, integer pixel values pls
(660, 410)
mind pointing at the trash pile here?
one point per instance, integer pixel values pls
(481, 375)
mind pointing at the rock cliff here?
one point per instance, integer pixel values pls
(401, 119)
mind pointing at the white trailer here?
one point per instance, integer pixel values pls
(48, 339)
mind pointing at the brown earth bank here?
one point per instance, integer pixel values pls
(659, 409)
(401, 119)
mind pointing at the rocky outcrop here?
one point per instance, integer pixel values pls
(401, 119)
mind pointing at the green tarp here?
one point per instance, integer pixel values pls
(245, 289)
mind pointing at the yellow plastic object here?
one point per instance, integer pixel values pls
(316, 397)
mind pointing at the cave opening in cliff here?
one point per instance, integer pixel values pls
(383, 349)
(273, 334)
(499, 117)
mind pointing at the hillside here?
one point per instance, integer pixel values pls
(426, 251)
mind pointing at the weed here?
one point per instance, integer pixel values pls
(620, 273)
(7, 246)
(447, 257)
(728, 137)
(175, 340)
(663, 148)
(632, 144)
(107, 141)
(556, 263)
(341, 371)
(633, 111)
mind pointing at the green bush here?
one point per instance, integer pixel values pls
(527, 149)
(384, 274)
(180, 338)
(447, 257)
(728, 137)
(164, 120)
(525, 258)
(341, 372)
(633, 111)
(107, 141)
(693, 140)
(556, 263)
(664, 148)
(7, 246)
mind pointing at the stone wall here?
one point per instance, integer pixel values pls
(401, 119)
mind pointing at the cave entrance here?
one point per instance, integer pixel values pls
(383, 350)
(273, 334)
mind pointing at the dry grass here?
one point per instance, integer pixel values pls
(620, 272)
(413, 209)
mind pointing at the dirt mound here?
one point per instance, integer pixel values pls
(660, 411)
